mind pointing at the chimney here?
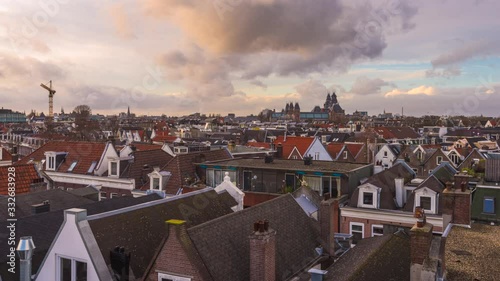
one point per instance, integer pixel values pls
(329, 223)
(43, 207)
(120, 263)
(15, 157)
(262, 252)
(279, 151)
(457, 202)
(308, 160)
(461, 181)
(399, 186)
(268, 159)
(231, 146)
(25, 250)
(420, 243)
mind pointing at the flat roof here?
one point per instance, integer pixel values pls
(472, 254)
(285, 164)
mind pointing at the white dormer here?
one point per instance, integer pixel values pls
(53, 159)
(158, 179)
(233, 190)
(368, 196)
(180, 150)
(426, 198)
(114, 167)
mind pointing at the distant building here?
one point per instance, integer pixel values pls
(9, 116)
(331, 111)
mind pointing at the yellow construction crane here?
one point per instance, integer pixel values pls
(51, 97)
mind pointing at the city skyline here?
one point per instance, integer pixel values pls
(177, 57)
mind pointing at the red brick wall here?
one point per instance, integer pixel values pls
(420, 239)
(345, 222)
(254, 198)
(172, 258)
(263, 256)
(457, 204)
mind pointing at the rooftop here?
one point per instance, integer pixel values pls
(281, 164)
(472, 254)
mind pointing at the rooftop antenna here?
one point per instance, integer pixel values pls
(51, 97)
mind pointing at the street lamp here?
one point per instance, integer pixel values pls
(25, 250)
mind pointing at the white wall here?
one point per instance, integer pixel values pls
(69, 243)
(317, 146)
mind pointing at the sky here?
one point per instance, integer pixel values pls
(178, 57)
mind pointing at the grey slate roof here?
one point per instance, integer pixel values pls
(44, 227)
(224, 246)
(374, 259)
(141, 230)
(58, 199)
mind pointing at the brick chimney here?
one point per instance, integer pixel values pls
(262, 252)
(420, 243)
(279, 151)
(329, 223)
(457, 201)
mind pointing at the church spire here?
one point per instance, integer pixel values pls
(128, 111)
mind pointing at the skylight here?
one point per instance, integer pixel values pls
(92, 167)
(70, 169)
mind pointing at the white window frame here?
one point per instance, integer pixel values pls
(368, 189)
(112, 195)
(377, 226)
(117, 168)
(159, 183)
(162, 275)
(345, 154)
(101, 197)
(357, 224)
(73, 266)
(316, 156)
(439, 159)
(427, 193)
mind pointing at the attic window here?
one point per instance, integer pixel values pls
(113, 168)
(439, 159)
(73, 165)
(156, 183)
(345, 154)
(367, 198)
(425, 203)
(92, 167)
(385, 153)
(51, 165)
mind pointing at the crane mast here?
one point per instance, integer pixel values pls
(51, 97)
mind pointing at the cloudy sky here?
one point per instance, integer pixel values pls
(218, 56)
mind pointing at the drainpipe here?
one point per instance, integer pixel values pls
(25, 250)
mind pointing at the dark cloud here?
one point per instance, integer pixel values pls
(481, 48)
(20, 68)
(258, 38)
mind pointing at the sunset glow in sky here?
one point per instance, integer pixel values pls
(218, 56)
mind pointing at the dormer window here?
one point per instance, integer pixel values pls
(53, 160)
(426, 198)
(156, 183)
(368, 196)
(113, 168)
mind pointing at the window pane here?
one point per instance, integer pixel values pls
(81, 271)
(114, 167)
(425, 202)
(378, 231)
(489, 206)
(218, 177)
(357, 228)
(210, 178)
(314, 183)
(65, 265)
(367, 198)
(156, 183)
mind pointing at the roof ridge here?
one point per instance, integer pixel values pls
(147, 204)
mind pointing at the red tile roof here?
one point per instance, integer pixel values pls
(24, 176)
(146, 146)
(355, 148)
(334, 149)
(301, 143)
(82, 152)
(6, 156)
(166, 138)
(396, 132)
